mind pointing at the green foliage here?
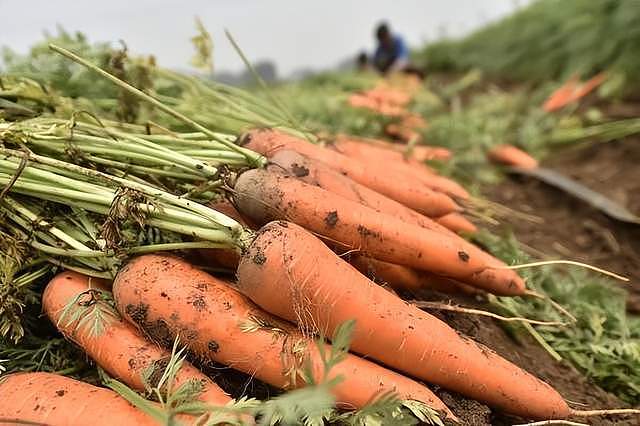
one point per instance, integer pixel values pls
(550, 39)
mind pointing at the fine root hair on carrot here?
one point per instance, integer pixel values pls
(553, 303)
(456, 308)
(566, 262)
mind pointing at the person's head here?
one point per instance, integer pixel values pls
(383, 34)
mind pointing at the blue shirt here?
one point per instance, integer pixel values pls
(385, 57)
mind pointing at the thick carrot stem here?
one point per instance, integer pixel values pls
(300, 279)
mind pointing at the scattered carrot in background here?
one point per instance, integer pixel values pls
(509, 155)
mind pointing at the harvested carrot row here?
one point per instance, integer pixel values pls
(394, 184)
(219, 324)
(457, 223)
(53, 400)
(511, 156)
(265, 196)
(320, 291)
(118, 348)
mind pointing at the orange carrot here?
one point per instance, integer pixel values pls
(264, 196)
(221, 325)
(119, 348)
(588, 86)
(396, 185)
(402, 278)
(298, 278)
(419, 153)
(457, 223)
(512, 156)
(571, 91)
(561, 96)
(384, 158)
(319, 174)
(53, 400)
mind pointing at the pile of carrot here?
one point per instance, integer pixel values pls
(308, 231)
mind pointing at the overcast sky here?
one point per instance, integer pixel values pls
(293, 33)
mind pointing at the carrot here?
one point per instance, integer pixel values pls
(298, 278)
(53, 400)
(219, 324)
(385, 158)
(588, 86)
(419, 153)
(394, 184)
(561, 96)
(119, 348)
(512, 156)
(319, 174)
(457, 223)
(402, 278)
(264, 196)
(571, 91)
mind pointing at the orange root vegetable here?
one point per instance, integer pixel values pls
(53, 400)
(395, 184)
(511, 156)
(298, 278)
(265, 196)
(385, 158)
(119, 348)
(402, 278)
(561, 96)
(219, 324)
(319, 174)
(419, 153)
(457, 223)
